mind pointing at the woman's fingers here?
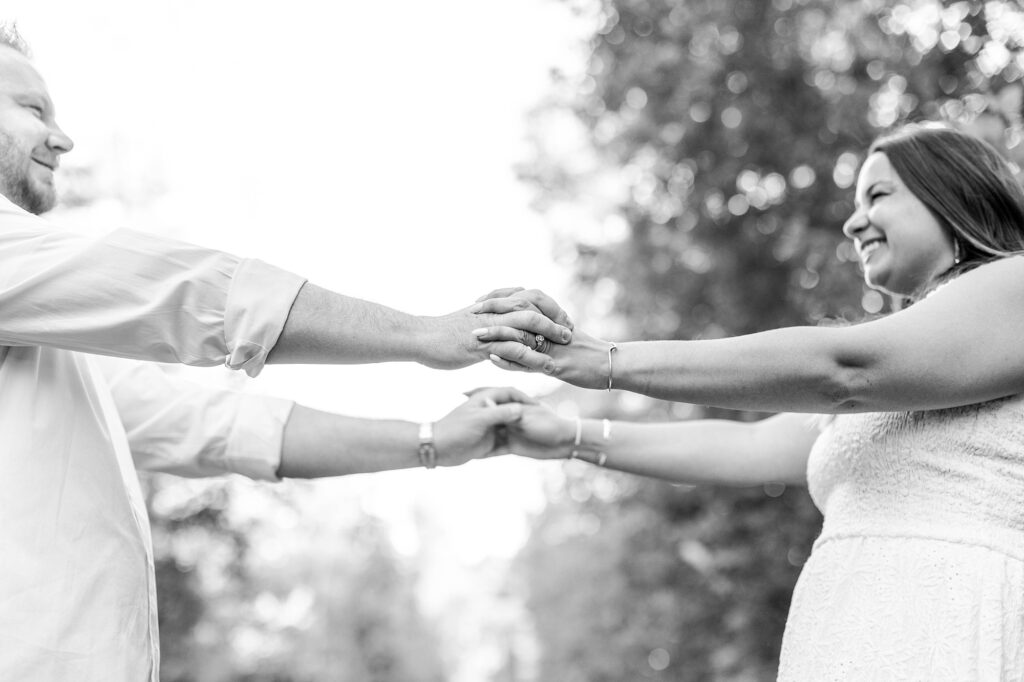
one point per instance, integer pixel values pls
(526, 322)
(518, 357)
(536, 342)
(547, 306)
(511, 300)
(516, 350)
(497, 407)
(503, 304)
(502, 363)
(502, 333)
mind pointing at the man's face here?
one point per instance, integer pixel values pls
(31, 142)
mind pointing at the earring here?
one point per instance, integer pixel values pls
(957, 257)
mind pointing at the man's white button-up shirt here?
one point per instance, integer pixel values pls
(77, 599)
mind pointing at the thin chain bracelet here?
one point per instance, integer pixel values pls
(611, 349)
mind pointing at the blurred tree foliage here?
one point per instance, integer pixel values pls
(345, 613)
(717, 144)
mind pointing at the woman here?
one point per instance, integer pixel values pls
(919, 472)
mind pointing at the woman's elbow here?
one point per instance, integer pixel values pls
(847, 389)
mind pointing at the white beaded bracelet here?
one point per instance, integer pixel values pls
(579, 439)
(606, 434)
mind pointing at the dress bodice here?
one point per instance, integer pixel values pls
(955, 474)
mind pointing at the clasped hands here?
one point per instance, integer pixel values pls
(499, 421)
(519, 337)
(518, 330)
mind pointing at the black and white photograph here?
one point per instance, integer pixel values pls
(536, 341)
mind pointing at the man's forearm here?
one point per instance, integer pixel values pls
(326, 327)
(319, 444)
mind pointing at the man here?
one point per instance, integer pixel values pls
(77, 315)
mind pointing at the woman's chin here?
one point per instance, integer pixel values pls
(887, 289)
(875, 279)
(871, 278)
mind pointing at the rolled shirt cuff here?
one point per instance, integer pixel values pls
(254, 448)
(259, 300)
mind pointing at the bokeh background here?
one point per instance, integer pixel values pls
(665, 168)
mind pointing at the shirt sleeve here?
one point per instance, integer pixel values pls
(134, 295)
(180, 427)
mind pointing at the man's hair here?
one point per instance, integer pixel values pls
(10, 37)
(966, 184)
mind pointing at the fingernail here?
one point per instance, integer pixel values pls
(549, 368)
(494, 358)
(566, 336)
(479, 332)
(569, 323)
(476, 308)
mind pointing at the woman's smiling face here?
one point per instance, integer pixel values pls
(901, 245)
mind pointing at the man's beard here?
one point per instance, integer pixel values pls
(15, 183)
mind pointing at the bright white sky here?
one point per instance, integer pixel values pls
(368, 146)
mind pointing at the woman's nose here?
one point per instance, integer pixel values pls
(855, 224)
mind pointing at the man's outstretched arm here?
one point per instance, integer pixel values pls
(326, 327)
(179, 427)
(318, 444)
(134, 295)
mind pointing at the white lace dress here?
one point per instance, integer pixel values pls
(919, 570)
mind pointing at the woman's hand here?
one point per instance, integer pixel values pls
(526, 427)
(452, 341)
(518, 298)
(538, 432)
(541, 434)
(476, 428)
(584, 361)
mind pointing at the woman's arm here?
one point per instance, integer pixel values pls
(961, 345)
(711, 451)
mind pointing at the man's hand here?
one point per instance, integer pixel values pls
(528, 322)
(538, 432)
(478, 427)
